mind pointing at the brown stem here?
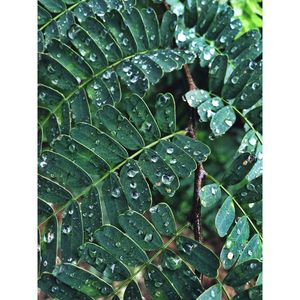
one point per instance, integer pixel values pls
(195, 215)
(167, 6)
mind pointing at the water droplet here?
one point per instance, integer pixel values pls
(170, 150)
(154, 159)
(167, 179)
(229, 243)
(252, 265)
(215, 103)
(173, 263)
(148, 237)
(173, 161)
(72, 148)
(181, 37)
(116, 192)
(228, 122)
(118, 244)
(249, 252)
(67, 229)
(131, 173)
(49, 237)
(213, 190)
(133, 185)
(230, 255)
(234, 79)
(135, 195)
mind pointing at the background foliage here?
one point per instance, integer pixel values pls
(116, 168)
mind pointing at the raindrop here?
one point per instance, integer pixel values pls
(154, 159)
(252, 265)
(148, 237)
(230, 255)
(170, 150)
(116, 192)
(72, 148)
(167, 179)
(131, 173)
(93, 57)
(228, 122)
(135, 195)
(181, 37)
(234, 79)
(133, 185)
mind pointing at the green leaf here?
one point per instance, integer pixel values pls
(63, 172)
(210, 194)
(239, 168)
(199, 256)
(120, 246)
(100, 143)
(58, 290)
(43, 16)
(251, 192)
(251, 293)
(52, 192)
(54, 6)
(195, 97)
(71, 233)
(217, 73)
(158, 284)
(91, 213)
(44, 211)
(165, 112)
(92, 164)
(133, 292)
(167, 28)
(159, 173)
(243, 272)
(207, 109)
(48, 245)
(114, 198)
(103, 262)
(253, 250)
(196, 149)
(141, 116)
(152, 28)
(180, 275)
(182, 164)
(213, 293)
(225, 217)
(237, 80)
(135, 23)
(121, 32)
(135, 187)
(120, 128)
(163, 219)
(140, 230)
(82, 280)
(235, 243)
(190, 13)
(222, 120)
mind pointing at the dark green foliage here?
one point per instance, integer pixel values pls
(116, 164)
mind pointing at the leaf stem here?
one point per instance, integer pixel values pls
(195, 214)
(236, 203)
(95, 183)
(60, 14)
